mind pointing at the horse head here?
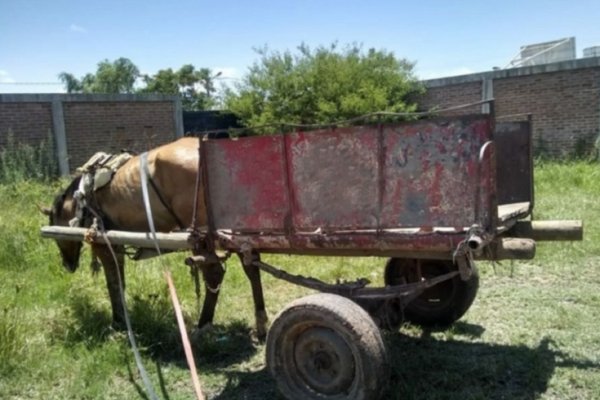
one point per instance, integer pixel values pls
(62, 211)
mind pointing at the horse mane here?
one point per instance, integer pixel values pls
(59, 200)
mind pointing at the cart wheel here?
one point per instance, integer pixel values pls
(441, 304)
(325, 346)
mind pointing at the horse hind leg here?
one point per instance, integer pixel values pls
(253, 274)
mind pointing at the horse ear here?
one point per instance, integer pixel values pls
(44, 210)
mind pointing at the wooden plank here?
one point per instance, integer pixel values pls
(513, 210)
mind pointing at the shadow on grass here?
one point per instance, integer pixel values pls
(421, 367)
(256, 385)
(427, 368)
(157, 334)
(90, 324)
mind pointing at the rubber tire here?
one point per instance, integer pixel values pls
(440, 305)
(350, 328)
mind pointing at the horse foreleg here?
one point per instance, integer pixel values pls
(213, 276)
(253, 274)
(115, 281)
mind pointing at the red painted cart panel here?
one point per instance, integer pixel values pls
(424, 176)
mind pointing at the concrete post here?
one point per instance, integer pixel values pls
(60, 136)
(487, 93)
(178, 117)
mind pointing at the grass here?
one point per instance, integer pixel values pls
(532, 333)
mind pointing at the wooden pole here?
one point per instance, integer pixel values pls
(166, 241)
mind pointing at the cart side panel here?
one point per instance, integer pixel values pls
(247, 183)
(433, 175)
(419, 175)
(334, 175)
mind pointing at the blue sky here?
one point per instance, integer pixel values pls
(40, 39)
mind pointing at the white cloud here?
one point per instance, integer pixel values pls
(77, 28)
(5, 77)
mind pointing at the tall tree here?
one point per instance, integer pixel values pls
(118, 76)
(322, 85)
(164, 81)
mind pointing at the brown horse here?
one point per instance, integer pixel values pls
(173, 169)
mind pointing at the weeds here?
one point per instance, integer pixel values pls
(20, 161)
(12, 339)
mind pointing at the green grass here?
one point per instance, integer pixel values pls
(532, 333)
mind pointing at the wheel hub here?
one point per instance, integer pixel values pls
(324, 360)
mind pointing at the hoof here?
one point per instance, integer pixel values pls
(261, 337)
(114, 334)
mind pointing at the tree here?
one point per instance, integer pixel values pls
(322, 85)
(118, 76)
(196, 86)
(72, 84)
(164, 81)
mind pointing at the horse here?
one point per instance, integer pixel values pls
(172, 171)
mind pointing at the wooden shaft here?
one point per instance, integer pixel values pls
(169, 241)
(509, 249)
(548, 230)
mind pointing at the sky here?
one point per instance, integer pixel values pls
(40, 39)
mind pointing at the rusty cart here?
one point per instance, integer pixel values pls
(432, 196)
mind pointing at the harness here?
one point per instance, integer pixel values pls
(96, 173)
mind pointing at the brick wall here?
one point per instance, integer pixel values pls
(453, 95)
(562, 98)
(564, 107)
(29, 122)
(112, 127)
(84, 124)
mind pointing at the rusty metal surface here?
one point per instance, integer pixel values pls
(346, 243)
(424, 174)
(432, 173)
(514, 162)
(248, 189)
